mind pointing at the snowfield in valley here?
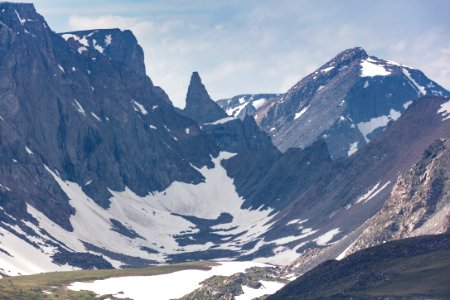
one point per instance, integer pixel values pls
(168, 286)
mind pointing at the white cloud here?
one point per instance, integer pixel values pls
(109, 21)
(266, 45)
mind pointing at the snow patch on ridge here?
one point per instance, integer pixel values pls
(83, 40)
(420, 89)
(257, 104)
(371, 68)
(139, 107)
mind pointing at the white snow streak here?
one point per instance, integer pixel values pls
(445, 110)
(420, 89)
(96, 117)
(372, 192)
(28, 150)
(221, 121)
(139, 107)
(79, 107)
(300, 113)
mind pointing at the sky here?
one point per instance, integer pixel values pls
(263, 46)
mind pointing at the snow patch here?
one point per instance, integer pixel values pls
(267, 288)
(420, 89)
(325, 238)
(221, 121)
(296, 221)
(83, 41)
(96, 117)
(108, 40)
(369, 68)
(326, 70)
(366, 84)
(139, 107)
(28, 151)
(407, 104)
(445, 110)
(82, 49)
(24, 258)
(22, 21)
(368, 127)
(160, 287)
(257, 104)
(352, 149)
(372, 192)
(300, 113)
(79, 108)
(236, 110)
(97, 46)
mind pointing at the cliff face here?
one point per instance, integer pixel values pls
(419, 203)
(91, 116)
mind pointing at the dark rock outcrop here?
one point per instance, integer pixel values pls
(89, 120)
(414, 268)
(114, 43)
(419, 202)
(199, 105)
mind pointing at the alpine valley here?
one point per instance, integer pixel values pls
(232, 199)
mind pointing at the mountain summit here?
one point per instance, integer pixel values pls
(199, 105)
(347, 102)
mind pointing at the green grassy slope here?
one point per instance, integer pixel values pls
(53, 285)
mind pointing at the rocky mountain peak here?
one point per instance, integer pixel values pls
(199, 105)
(116, 44)
(348, 101)
(21, 18)
(351, 54)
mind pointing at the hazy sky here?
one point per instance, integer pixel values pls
(255, 46)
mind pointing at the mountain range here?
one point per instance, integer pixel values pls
(99, 170)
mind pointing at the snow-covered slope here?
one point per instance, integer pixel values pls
(161, 227)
